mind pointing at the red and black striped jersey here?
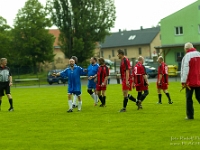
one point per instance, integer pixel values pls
(102, 73)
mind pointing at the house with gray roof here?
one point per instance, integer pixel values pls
(134, 43)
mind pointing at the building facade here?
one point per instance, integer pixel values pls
(177, 29)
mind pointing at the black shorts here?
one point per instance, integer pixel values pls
(4, 87)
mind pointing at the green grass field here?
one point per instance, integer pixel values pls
(40, 122)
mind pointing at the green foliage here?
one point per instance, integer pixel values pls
(41, 122)
(5, 38)
(33, 43)
(82, 23)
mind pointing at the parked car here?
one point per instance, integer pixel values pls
(151, 71)
(52, 79)
(109, 62)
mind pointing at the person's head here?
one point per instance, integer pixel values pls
(75, 59)
(3, 62)
(101, 61)
(160, 59)
(120, 53)
(71, 62)
(188, 46)
(141, 59)
(93, 60)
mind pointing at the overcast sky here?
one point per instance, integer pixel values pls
(131, 14)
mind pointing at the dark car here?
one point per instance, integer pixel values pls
(151, 71)
(52, 79)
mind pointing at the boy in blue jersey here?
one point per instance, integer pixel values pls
(92, 74)
(74, 101)
(73, 72)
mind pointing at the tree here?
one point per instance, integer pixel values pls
(5, 38)
(82, 23)
(32, 41)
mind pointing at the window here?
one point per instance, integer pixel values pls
(113, 53)
(132, 37)
(101, 53)
(125, 52)
(179, 56)
(140, 51)
(178, 30)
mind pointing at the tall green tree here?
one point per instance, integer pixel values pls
(5, 38)
(32, 41)
(82, 23)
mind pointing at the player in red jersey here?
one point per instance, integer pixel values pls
(140, 81)
(162, 80)
(102, 77)
(125, 69)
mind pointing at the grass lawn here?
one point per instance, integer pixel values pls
(40, 121)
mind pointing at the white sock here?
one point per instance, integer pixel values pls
(74, 100)
(70, 104)
(79, 105)
(96, 98)
(93, 96)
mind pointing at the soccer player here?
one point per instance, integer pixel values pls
(190, 77)
(102, 77)
(140, 81)
(125, 68)
(73, 72)
(5, 82)
(162, 80)
(74, 102)
(92, 74)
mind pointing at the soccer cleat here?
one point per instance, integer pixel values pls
(187, 118)
(11, 109)
(70, 110)
(159, 102)
(170, 102)
(95, 104)
(123, 110)
(139, 104)
(101, 105)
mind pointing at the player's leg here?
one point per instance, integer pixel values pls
(10, 99)
(125, 90)
(189, 103)
(103, 96)
(159, 96)
(197, 94)
(168, 95)
(70, 102)
(1, 95)
(78, 94)
(74, 102)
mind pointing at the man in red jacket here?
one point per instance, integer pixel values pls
(190, 77)
(162, 80)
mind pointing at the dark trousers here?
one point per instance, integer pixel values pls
(189, 101)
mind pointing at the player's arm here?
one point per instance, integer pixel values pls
(106, 78)
(10, 78)
(160, 74)
(145, 75)
(127, 71)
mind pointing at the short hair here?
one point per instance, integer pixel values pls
(2, 59)
(140, 58)
(95, 58)
(188, 45)
(101, 61)
(161, 58)
(75, 59)
(120, 51)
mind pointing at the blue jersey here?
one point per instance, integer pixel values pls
(92, 70)
(74, 81)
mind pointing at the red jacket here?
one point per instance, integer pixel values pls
(190, 68)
